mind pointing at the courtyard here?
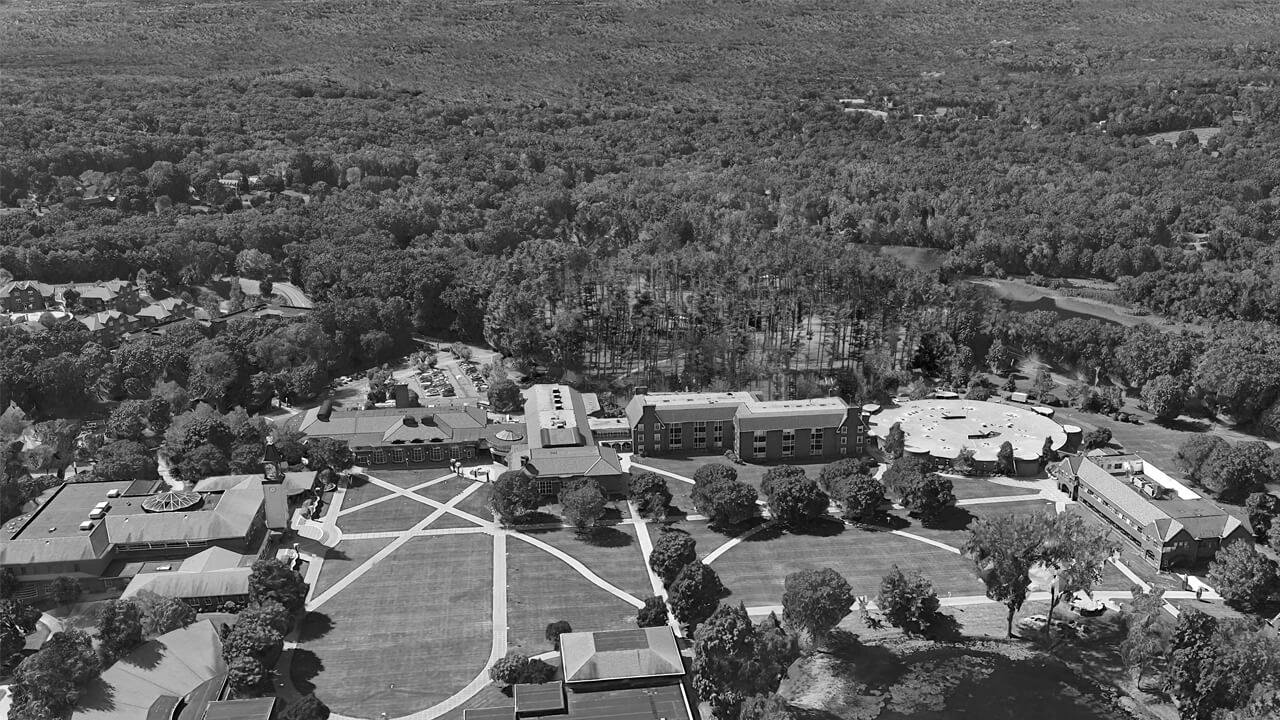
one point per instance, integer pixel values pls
(424, 591)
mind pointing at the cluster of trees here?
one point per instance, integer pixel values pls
(852, 484)
(693, 588)
(1230, 472)
(721, 496)
(277, 594)
(1006, 549)
(926, 495)
(1214, 668)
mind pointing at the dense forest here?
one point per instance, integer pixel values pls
(586, 201)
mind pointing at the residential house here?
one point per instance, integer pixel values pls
(165, 311)
(25, 296)
(120, 295)
(711, 423)
(1169, 531)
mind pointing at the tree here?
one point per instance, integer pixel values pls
(65, 590)
(8, 582)
(1097, 438)
(269, 613)
(516, 668)
(129, 420)
(908, 601)
(161, 614)
(308, 707)
(504, 395)
(1233, 471)
(1004, 459)
(797, 500)
(725, 670)
(895, 441)
(963, 462)
(832, 476)
(1042, 384)
(1245, 578)
(274, 580)
(1164, 396)
(724, 500)
(329, 453)
(1262, 508)
(555, 630)
(246, 673)
(672, 551)
(776, 649)
(815, 601)
(1004, 548)
(653, 613)
(766, 707)
(651, 495)
(125, 460)
(17, 621)
(713, 473)
(203, 462)
(775, 476)
(1147, 637)
(694, 594)
(1195, 451)
(119, 629)
(902, 475)
(583, 504)
(1075, 552)
(929, 497)
(860, 497)
(49, 683)
(515, 494)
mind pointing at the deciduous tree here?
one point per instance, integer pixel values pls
(119, 629)
(583, 504)
(815, 601)
(695, 593)
(895, 441)
(650, 493)
(1164, 396)
(555, 630)
(1245, 578)
(1004, 548)
(273, 580)
(929, 497)
(797, 500)
(672, 550)
(1194, 453)
(653, 613)
(908, 601)
(725, 667)
(860, 498)
(515, 494)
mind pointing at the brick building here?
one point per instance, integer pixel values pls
(711, 423)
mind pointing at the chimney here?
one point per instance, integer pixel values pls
(325, 410)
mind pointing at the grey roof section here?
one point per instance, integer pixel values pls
(620, 654)
(245, 709)
(388, 426)
(556, 416)
(184, 584)
(1201, 519)
(592, 461)
(752, 414)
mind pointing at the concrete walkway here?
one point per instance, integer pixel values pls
(963, 600)
(655, 582)
(583, 570)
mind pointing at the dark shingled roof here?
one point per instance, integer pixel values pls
(620, 654)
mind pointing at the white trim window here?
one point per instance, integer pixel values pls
(676, 438)
(759, 442)
(788, 443)
(699, 434)
(815, 441)
(718, 437)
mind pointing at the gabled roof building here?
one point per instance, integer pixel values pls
(1170, 532)
(561, 445)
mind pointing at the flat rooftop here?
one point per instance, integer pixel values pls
(70, 505)
(945, 427)
(664, 702)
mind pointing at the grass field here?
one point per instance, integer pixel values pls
(954, 529)
(344, 558)
(408, 478)
(615, 556)
(754, 571)
(541, 589)
(397, 513)
(751, 474)
(970, 488)
(362, 493)
(419, 621)
(445, 491)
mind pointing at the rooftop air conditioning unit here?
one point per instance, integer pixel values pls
(113, 493)
(97, 514)
(86, 525)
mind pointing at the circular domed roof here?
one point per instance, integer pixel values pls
(508, 436)
(172, 501)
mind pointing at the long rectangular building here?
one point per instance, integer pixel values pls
(709, 423)
(1170, 532)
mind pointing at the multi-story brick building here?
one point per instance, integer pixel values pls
(711, 423)
(1169, 531)
(25, 296)
(560, 442)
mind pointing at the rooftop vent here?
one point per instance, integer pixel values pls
(113, 493)
(86, 525)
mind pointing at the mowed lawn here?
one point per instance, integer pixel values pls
(397, 513)
(347, 556)
(542, 589)
(954, 528)
(974, 488)
(754, 570)
(360, 492)
(408, 478)
(615, 555)
(751, 474)
(419, 620)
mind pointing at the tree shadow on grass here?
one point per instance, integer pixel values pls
(606, 537)
(824, 526)
(954, 518)
(946, 628)
(877, 665)
(304, 666)
(314, 626)
(1180, 425)
(336, 554)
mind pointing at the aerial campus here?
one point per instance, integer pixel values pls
(661, 361)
